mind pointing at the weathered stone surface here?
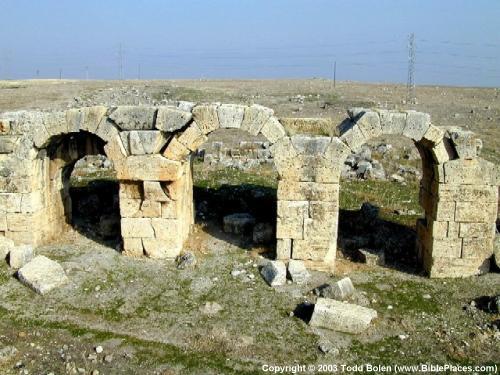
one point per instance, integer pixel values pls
(184, 105)
(273, 130)
(206, 117)
(154, 191)
(230, 115)
(239, 223)
(143, 142)
(343, 317)
(298, 271)
(283, 248)
(255, 118)
(306, 144)
(193, 137)
(133, 247)
(307, 191)
(7, 143)
(87, 119)
(392, 122)
(274, 273)
(134, 117)
(176, 150)
(169, 119)
(149, 168)
(6, 245)
(467, 144)
(42, 274)
(352, 136)
(137, 228)
(369, 124)
(161, 249)
(417, 124)
(496, 250)
(20, 255)
(339, 290)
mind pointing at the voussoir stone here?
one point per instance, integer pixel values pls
(340, 316)
(134, 117)
(169, 119)
(42, 274)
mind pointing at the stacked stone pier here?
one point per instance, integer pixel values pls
(152, 147)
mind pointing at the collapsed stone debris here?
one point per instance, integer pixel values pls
(150, 148)
(42, 274)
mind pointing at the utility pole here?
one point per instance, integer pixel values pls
(410, 84)
(334, 74)
(38, 73)
(120, 58)
(60, 73)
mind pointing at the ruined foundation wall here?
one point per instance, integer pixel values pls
(151, 150)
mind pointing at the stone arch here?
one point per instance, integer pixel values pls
(454, 239)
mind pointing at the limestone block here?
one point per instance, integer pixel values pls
(307, 191)
(231, 115)
(467, 144)
(20, 255)
(315, 250)
(87, 119)
(417, 124)
(320, 229)
(206, 117)
(476, 212)
(433, 135)
(312, 168)
(21, 222)
(309, 125)
(106, 130)
(478, 247)
(133, 247)
(336, 152)
(134, 117)
(166, 229)
(339, 316)
(457, 267)
(25, 238)
(290, 227)
(161, 249)
(443, 211)
(284, 156)
(137, 228)
(369, 124)
(299, 209)
(314, 145)
(323, 211)
(372, 257)
(392, 122)
(170, 210)
(32, 202)
(131, 189)
(496, 250)
(170, 119)
(143, 142)
(3, 223)
(273, 130)
(193, 137)
(153, 190)
(283, 248)
(442, 151)
(151, 208)
(130, 207)
(353, 137)
(255, 117)
(468, 193)
(149, 168)
(274, 273)
(175, 189)
(24, 149)
(453, 229)
(7, 143)
(42, 275)
(439, 229)
(40, 136)
(447, 248)
(469, 172)
(176, 150)
(477, 230)
(298, 271)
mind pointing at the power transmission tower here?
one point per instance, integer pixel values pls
(60, 73)
(411, 97)
(120, 58)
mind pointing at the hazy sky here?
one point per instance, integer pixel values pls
(457, 41)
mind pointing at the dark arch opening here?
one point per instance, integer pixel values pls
(84, 188)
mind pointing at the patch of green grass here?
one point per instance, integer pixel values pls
(387, 195)
(216, 178)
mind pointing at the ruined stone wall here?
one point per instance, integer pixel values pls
(151, 149)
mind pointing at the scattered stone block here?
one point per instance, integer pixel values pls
(42, 274)
(239, 223)
(340, 316)
(274, 273)
(371, 257)
(340, 290)
(298, 271)
(20, 255)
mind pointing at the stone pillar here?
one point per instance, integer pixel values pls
(456, 240)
